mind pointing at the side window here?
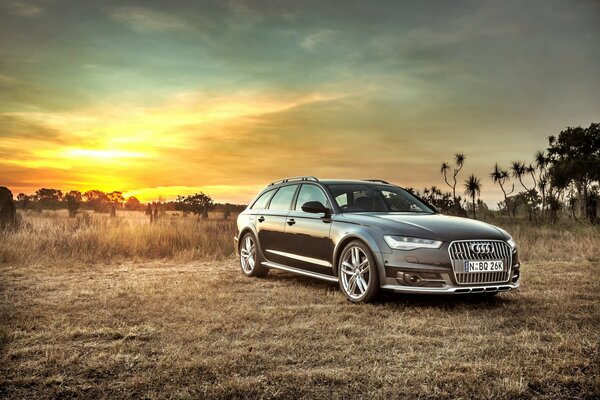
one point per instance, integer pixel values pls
(310, 193)
(283, 198)
(262, 201)
(342, 199)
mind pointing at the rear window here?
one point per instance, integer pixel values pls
(263, 200)
(283, 198)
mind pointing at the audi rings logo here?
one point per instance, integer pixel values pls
(481, 248)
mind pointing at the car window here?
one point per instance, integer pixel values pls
(310, 193)
(263, 200)
(342, 200)
(399, 203)
(283, 198)
(376, 198)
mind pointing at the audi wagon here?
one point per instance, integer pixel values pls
(368, 236)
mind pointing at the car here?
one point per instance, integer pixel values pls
(370, 235)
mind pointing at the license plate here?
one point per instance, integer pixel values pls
(484, 266)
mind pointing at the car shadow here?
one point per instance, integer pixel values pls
(442, 301)
(390, 299)
(283, 276)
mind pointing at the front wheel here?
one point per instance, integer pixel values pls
(249, 260)
(358, 274)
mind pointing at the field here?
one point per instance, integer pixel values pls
(161, 311)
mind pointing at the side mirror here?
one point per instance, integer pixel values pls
(315, 207)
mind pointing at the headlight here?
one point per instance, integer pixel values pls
(511, 243)
(410, 243)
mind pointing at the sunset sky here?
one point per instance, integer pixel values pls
(172, 97)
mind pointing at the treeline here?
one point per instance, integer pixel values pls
(563, 180)
(560, 181)
(102, 202)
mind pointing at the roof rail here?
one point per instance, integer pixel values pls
(377, 180)
(295, 178)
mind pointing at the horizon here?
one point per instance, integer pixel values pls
(224, 97)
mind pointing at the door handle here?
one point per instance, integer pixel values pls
(261, 219)
(291, 221)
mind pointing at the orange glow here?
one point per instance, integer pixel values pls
(139, 150)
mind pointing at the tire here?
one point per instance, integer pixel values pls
(249, 257)
(358, 273)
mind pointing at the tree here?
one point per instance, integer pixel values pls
(575, 157)
(459, 161)
(541, 162)
(473, 188)
(518, 170)
(133, 204)
(116, 198)
(97, 199)
(24, 200)
(73, 199)
(199, 204)
(227, 211)
(48, 198)
(500, 176)
(116, 201)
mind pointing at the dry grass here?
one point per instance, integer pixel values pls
(564, 241)
(130, 236)
(149, 319)
(171, 330)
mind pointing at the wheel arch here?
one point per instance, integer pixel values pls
(369, 242)
(250, 229)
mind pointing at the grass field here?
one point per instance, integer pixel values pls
(133, 322)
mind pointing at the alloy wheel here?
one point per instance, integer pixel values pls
(248, 254)
(354, 272)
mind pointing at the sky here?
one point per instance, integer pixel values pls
(158, 98)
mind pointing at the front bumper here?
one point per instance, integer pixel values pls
(430, 272)
(452, 289)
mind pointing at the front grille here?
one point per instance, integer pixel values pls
(460, 251)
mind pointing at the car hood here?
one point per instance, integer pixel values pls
(428, 226)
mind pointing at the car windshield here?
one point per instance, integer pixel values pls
(376, 198)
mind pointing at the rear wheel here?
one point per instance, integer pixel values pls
(358, 274)
(249, 260)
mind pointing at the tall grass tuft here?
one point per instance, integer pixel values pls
(53, 236)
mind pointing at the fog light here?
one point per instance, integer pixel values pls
(429, 279)
(412, 279)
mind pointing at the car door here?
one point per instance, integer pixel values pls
(309, 246)
(270, 224)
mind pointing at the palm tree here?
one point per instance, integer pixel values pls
(459, 161)
(500, 176)
(473, 188)
(518, 170)
(530, 169)
(541, 162)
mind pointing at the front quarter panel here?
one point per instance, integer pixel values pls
(343, 232)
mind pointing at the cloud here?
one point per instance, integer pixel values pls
(193, 139)
(23, 9)
(316, 39)
(144, 20)
(6, 79)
